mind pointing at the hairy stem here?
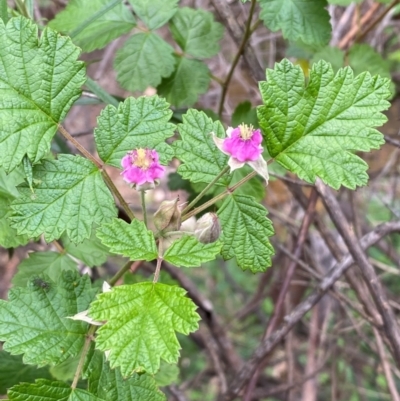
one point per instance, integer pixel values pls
(143, 202)
(159, 261)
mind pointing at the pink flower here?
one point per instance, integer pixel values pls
(243, 145)
(141, 166)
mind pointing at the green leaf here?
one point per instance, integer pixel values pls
(190, 79)
(50, 263)
(305, 20)
(109, 385)
(246, 232)
(189, 252)
(141, 324)
(91, 251)
(39, 82)
(202, 160)
(70, 197)
(98, 33)
(34, 320)
(254, 187)
(245, 113)
(143, 61)
(13, 371)
(196, 32)
(133, 240)
(46, 390)
(154, 13)
(332, 55)
(65, 371)
(314, 130)
(167, 374)
(136, 123)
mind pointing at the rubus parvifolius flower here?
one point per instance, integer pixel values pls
(142, 168)
(243, 145)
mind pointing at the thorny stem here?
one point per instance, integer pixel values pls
(100, 166)
(159, 261)
(204, 191)
(246, 36)
(219, 196)
(143, 201)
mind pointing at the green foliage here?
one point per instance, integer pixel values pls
(34, 320)
(196, 32)
(98, 33)
(154, 13)
(299, 20)
(132, 240)
(313, 130)
(13, 371)
(143, 61)
(136, 123)
(190, 79)
(245, 113)
(246, 232)
(70, 196)
(37, 263)
(202, 160)
(152, 313)
(109, 385)
(189, 252)
(46, 390)
(32, 104)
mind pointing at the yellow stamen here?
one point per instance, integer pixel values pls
(246, 131)
(142, 159)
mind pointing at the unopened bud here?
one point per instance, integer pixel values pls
(168, 216)
(208, 228)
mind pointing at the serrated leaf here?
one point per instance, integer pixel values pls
(39, 82)
(109, 385)
(154, 13)
(196, 32)
(304, 20)
(189, 252)
(98, 33)
(246, 232)
(141, 323)
(137, 123)
(190, 79)
(34, 320)
(143, 61)
(202, 160)
(314, 130)
(13, 371)
(46, 390)
(133, 240)
(50, 263)
(70, 196)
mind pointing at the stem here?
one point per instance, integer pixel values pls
(120, 273)
(85, 349)
(246, 36)
(101, 93)
(204, 191)
(219, 196)
(143, 201)
(159, 261)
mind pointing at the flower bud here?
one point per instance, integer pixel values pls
(208, 228)
(168, 216)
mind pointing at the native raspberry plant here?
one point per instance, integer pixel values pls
(122, 336)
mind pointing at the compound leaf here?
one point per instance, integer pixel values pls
(313, 130)
(39, 82)
(109, 385)
(299, 20)
(202, 160)
(246, 232)
(190, 79)
(141, 323)
(98, 33)
(196, 32)
(189, 252)
(137, 123)
(34, 320)
(143, 61)
(154, 13)
(70, 195)
(46, 390)
(133, 240)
